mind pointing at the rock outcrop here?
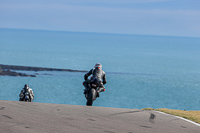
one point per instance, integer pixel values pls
(6, 70)
(12, 73)
(28, 68)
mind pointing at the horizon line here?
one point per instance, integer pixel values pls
(101, 33)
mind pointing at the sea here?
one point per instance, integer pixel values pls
(142, 71)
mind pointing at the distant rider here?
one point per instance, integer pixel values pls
(24, 90)
(97, 73)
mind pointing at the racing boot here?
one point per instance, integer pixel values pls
(101, 89)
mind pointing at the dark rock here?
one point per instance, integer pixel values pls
(6, 70)
(11, 73)
(28, 68)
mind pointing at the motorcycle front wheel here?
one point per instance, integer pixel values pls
(91, 97)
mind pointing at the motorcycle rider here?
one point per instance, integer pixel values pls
(24, 90)
(97, 73)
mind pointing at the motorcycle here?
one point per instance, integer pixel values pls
(93, 91)
(25, 96)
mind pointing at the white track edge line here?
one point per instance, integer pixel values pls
(180, 118)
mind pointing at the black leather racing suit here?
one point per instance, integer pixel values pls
(97, 73)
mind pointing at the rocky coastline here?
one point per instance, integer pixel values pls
(7, 70)
(12, 73)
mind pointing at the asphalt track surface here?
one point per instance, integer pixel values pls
(22, 117)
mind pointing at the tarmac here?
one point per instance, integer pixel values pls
(23, 117)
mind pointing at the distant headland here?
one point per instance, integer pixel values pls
(5, 70)
(12, 73)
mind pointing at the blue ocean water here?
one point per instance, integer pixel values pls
(142, 71)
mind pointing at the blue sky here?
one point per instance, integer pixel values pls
(143, 17)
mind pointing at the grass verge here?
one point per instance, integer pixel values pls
(190, 115)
